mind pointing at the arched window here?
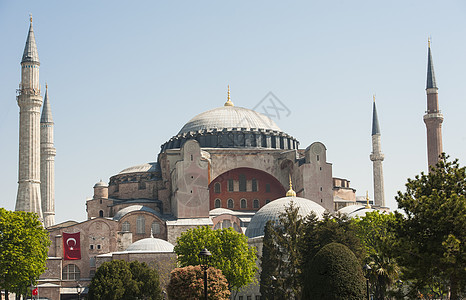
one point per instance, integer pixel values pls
(244, 203)
(155, 227)
(255, 203)
(126, 227)
(101, 213)
(242, 183)
(218, 203)
(231, 204)
(140, 225)
(254, 185)
(71, 272)
(226, 224)
(217, 188)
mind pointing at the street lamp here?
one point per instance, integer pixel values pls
(274, 280)
(205, 255)
(367, 269)
(79, 290)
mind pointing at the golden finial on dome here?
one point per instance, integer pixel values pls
(229, 103)
(373, 98)
(30, 18)
(290, 192)
(428, 41)
(46, 87)
(367, 200)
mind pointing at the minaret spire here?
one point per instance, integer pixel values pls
(30, 53)
(377, 158)
(433, 117)
(47, 162)
(29, 102)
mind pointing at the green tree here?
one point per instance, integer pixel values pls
(336, 274)
(319, 233)
(23, 250)
(376, 233)
(230, 253)
(188, 283)
(432, 233)
(119, 279)
(270, 264)
(281, 257)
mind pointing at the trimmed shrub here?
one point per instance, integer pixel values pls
(335, 275)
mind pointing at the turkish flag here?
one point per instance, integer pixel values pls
(35, 292)
(71, 246)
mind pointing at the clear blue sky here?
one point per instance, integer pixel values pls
(125, 76)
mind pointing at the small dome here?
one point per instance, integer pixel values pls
(121, 213)
(100, 184)
(150, 245)
(220, 211)
(360, 212)
(149, 167)
(272, 210)
(350, 208)
(228, 117)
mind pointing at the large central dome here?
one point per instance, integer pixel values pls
(230, 126)
(229, 117)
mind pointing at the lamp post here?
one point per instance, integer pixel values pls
(205, 255)
(367, 269)
(274, 280)
(79, 290)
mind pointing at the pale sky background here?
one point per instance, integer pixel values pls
(125, 76)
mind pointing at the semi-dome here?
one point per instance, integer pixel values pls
(150, 244)
(121, 213)
(229, 117)
(272, 210)
(232, 127)
(148, 167)
(350, 208)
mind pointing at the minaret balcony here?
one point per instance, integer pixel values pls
(377, 156)
(435, 115)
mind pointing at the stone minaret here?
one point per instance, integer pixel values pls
(433, 117)
(29, 102)
(47, 163)
(377, 159)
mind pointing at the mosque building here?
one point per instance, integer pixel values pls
(226, 167)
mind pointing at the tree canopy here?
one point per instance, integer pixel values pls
(230, 253)
(23, 250)
(336, 274)
(431, 234)
(121, 280)
(188, 283)
(375, 230)
(281, 256)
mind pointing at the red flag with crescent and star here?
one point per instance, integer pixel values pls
(71, 246)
